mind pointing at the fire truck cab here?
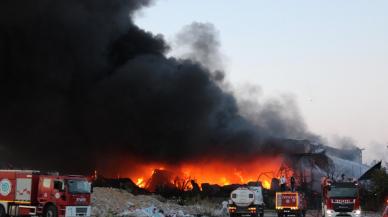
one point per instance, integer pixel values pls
(340, 198)
(31, 193)
(385, 212)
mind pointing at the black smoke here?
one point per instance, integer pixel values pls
(80, 83)
(201, 42)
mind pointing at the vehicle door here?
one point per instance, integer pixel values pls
(58, 192)
(45, 189)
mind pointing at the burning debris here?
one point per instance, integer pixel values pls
(212, 171)
(80, 80)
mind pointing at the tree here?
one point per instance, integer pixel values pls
(380, 186)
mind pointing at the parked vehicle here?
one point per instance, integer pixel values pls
(290, 203)
(246, 201)
(340, 198)
(385, 213)
(32, 193)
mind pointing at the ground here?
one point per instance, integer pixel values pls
(109, 202)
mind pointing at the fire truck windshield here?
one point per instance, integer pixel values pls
(341, 192)
(78, 186)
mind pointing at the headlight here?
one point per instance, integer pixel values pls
(329, 211)
(357, 212)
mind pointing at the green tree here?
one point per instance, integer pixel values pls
(380, 186)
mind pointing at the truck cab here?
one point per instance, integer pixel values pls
(32, 193)
(246, 201)
(385, 211)
(64, 196)
(340, 198)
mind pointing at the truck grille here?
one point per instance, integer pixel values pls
(81, 211)
(347, 207)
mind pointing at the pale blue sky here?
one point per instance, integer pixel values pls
(331, 55)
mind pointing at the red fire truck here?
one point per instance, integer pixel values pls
(340, 198)
(385, 213)
(32, 193)
(290, 203)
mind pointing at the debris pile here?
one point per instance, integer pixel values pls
(117, 202)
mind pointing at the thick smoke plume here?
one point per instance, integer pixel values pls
(200, 42)
(80, 83)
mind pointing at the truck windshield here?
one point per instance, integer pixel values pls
(343, 192)
(78, 186)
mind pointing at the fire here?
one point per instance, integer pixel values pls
(224, 181)
(140, 182)
(221, 172)
(266, 184)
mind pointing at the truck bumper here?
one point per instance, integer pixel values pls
(332, 213)
(287, 212)
(242, 211)
(78, 211)
(260, 209)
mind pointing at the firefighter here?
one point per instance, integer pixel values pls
(283, 183)
(224, 209)
(292, 183)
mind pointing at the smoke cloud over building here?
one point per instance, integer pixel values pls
(80, 83)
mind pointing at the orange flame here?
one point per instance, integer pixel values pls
(140, 182)
(213, 171)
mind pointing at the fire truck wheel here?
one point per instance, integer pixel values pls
(50, 211)
(2, 211)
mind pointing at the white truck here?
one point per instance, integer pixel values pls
(246, 201)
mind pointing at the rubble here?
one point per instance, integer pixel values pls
(109, 202)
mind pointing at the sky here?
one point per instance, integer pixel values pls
(330, 55)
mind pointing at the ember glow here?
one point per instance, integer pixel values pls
(222, 173)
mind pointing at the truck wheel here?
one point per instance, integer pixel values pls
(2, 211)
(262, 214)
(50, 211)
